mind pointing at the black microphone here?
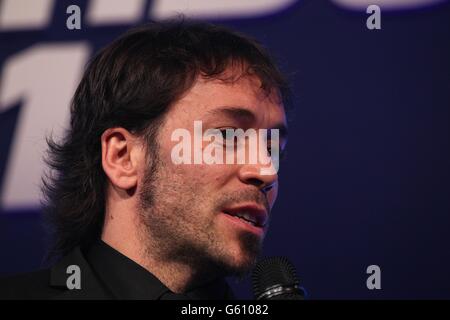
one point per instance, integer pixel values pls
(275, 278)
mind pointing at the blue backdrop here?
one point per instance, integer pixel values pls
(366, 180)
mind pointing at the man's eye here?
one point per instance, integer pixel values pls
(223, 132)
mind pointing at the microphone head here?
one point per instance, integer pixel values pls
(275, 278)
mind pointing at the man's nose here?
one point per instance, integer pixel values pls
(252, 174)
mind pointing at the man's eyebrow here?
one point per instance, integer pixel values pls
(245, 115)
(237, 113)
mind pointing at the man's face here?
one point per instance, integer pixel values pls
(190, 210)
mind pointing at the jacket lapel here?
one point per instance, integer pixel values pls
(91, 288)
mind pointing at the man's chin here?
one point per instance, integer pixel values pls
(243, 258)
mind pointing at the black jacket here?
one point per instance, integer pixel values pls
(51, 283)
(105, 274)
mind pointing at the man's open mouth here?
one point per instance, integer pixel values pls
(250, 214)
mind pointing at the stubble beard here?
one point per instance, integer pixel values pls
(177, 230)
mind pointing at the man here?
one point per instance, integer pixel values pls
(130, 222)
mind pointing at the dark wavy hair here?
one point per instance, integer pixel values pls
(130, 84)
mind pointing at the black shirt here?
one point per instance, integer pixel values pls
(125, 279)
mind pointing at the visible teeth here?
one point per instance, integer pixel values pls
(246, 221)
(246, 216)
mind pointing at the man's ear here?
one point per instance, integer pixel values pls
(121, 152)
